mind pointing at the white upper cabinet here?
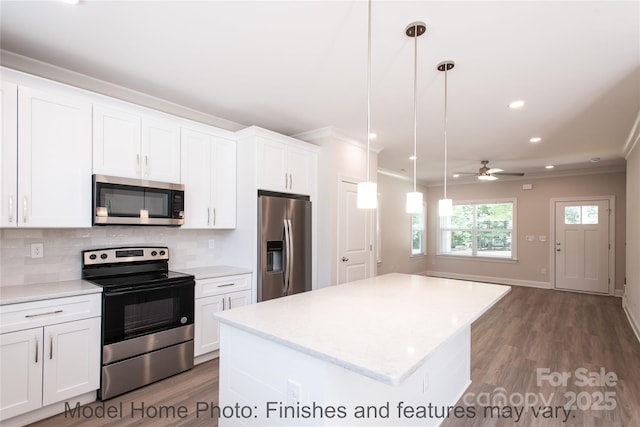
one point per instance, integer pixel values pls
(54, 159)
(132, 143)
(283, 164)
(8, 154)
(160, 149)
(209, 175)
(116, 142)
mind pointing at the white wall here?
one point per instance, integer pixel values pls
(339, 158)
(533, 218)
(632, 290)
(395, 227)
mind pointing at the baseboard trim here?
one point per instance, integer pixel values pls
(635, 325)
(489, 279)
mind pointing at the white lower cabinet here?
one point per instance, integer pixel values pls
(214, 295)
(56, 361)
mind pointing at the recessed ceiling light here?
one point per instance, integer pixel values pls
(372, 135)
(535, 139)
(412, 157)
(70, 1)
(456, 175)
(516, 104)
(595, 159)
(549, 166)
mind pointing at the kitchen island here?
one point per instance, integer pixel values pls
(389, 350)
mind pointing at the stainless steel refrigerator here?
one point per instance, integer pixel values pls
(284, 245)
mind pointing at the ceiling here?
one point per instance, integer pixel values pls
(294, 66)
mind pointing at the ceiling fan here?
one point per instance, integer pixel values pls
(489, 174)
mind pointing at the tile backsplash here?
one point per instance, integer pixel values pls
(63, 247)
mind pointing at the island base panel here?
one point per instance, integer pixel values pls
(260, 381)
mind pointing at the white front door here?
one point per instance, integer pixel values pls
(354, 236)
(582, 245)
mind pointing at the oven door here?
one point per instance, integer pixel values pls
(142, 310)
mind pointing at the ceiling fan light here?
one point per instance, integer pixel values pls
(367, 195)
(487, 177)
(414, 202)
(445, 207)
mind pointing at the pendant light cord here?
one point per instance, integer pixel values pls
(369, 93)
(415, 106)
(446, 69)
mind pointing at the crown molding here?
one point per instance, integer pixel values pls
(318, 136)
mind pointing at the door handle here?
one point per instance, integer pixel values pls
(345, 259)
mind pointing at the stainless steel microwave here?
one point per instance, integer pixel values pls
(126, 201)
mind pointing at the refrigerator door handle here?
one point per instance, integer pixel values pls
(287, 255)
(290, 257)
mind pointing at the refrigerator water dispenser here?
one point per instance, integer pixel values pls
(274, 255)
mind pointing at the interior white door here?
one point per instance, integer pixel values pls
(582, 245)
(354, 240)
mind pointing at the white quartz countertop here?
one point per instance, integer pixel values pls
(214, 271)
(26, 293)
(384, 327)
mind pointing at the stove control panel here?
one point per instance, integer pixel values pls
(126, 254)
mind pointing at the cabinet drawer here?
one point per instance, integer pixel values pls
(15, 317)
(222, 285)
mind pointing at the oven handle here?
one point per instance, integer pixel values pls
(138, 289)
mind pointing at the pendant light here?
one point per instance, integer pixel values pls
(445, 205)
(414, 198)
(367, 195)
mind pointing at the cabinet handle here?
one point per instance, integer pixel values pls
(10, 209)
(223, 304)
(138, 167)
(25, 209)
(43, 314)
(208, 216)
(226, 284)
(146, 164)
(214, 216)
(229, 303)
(37, 348)
(50, 346)
(290, 181)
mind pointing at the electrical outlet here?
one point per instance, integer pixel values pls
(37, 250)
(293, 392)
(211, 243)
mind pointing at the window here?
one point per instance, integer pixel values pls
(482, 229)
(581, 214)
(418, 233)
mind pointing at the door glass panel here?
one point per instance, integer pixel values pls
(590, 214)
(572, 215)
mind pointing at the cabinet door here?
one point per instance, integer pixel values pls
(54, 159)
(160, 150)
(8, 155)
(195, 172)
(71, 359)
(301, 169)
(21, 366)
(272, 165)
(116, 142)
(223, 192)
(238, 299)
(207, 334)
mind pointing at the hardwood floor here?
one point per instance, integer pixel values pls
(529, 329)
